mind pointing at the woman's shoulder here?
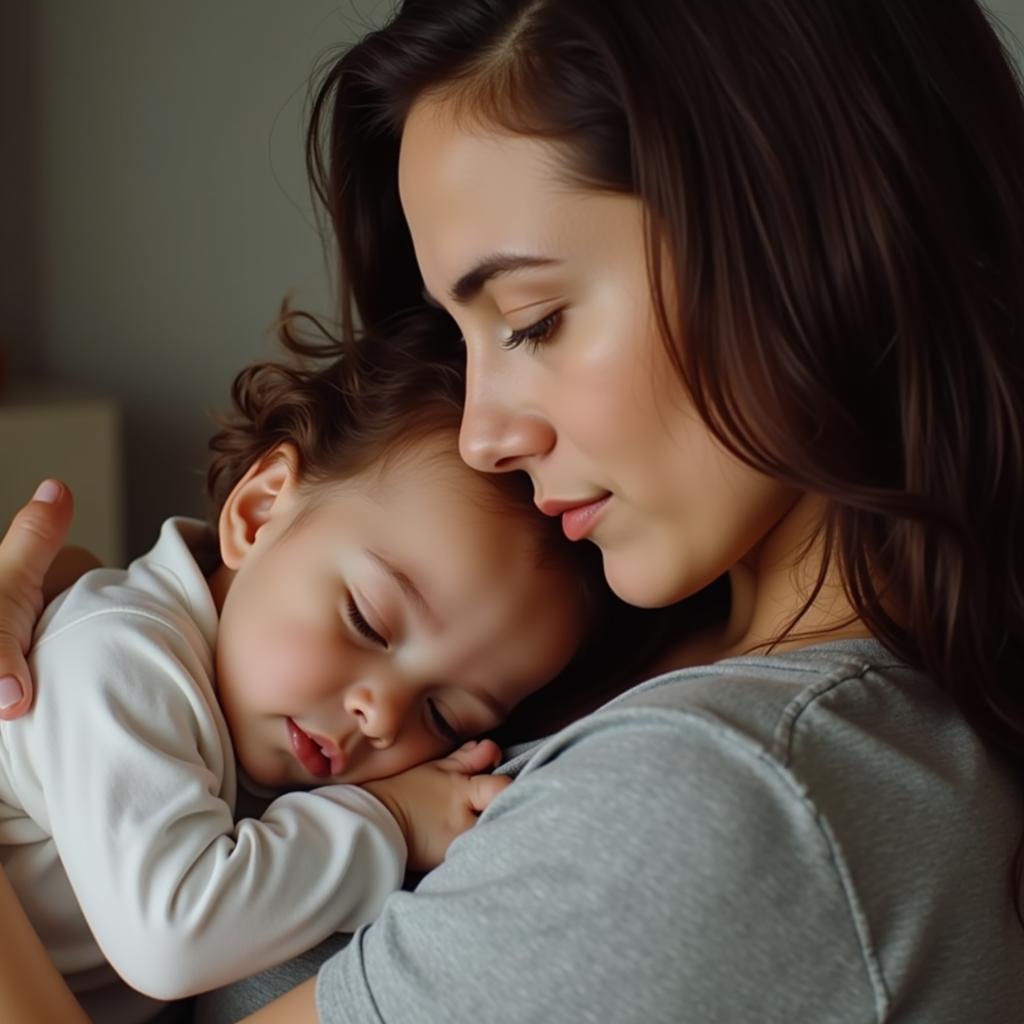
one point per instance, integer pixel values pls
(868, 754)
(783, 702)
(834, 779)
(783, 705)
(840, 719)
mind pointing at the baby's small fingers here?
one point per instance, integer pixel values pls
(473, 757)
(482, 789)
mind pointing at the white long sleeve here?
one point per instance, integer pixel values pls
(127, 764)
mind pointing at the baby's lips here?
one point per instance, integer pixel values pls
(333, 753)
(308, 752)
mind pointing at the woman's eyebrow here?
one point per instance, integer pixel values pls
(468, 286)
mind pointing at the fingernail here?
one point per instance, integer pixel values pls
(10, 692)
(48, 491)
(469, 744)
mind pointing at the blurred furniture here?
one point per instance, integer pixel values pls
(50, 430)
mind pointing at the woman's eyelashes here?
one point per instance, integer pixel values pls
(361, 626)
(441, 724)
(535, 335)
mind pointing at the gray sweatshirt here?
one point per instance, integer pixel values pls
(812, 836)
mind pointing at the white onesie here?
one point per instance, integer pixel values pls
(117, 796)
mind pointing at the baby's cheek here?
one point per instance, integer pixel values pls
(306, 670)
(291, 665)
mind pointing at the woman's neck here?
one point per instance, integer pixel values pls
(768, 590)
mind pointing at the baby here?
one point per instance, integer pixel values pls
(367, 604)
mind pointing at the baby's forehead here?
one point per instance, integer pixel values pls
(432, 460)
(495, 521)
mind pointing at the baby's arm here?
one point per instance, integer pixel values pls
(126, 767)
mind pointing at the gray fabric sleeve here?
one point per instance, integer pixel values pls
(649, 865)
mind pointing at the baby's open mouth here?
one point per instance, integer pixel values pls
(319, 756)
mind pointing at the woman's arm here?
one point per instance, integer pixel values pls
(295, 1007)
(31, 989)
(27, 552)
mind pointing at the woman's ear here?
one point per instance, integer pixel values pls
(264, 493)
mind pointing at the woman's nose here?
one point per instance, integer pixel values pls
(499, 433)
(378, 710)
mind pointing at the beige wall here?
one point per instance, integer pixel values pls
(153, 206)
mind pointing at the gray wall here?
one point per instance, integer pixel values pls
(19, 188)
(153, 206)
(160, 199)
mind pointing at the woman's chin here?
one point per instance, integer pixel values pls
(645, 582)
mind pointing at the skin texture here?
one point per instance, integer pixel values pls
(317, 632)
(589, 404)
(27, 552)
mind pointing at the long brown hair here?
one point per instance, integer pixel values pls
(839, 188)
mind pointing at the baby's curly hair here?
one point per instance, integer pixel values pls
(341, 406)
(346, 405)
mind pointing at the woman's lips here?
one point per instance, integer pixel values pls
(319, 756)
(579, 521)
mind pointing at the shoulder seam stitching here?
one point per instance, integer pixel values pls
(100, 612)
(783, 741)
(799, 794)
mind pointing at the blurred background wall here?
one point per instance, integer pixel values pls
(153, 212)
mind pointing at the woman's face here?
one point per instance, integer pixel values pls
(568, 377)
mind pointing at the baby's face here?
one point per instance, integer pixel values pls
(386, 621)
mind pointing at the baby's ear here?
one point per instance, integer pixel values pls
(264, 493)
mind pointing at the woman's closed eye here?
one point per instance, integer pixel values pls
(361, 626)
(536, 334)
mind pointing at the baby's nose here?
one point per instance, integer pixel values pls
(377, 713)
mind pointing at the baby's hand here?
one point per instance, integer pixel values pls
(435, 802)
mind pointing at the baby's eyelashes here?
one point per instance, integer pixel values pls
(362, 626)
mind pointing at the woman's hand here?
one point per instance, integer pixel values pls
(27, 551)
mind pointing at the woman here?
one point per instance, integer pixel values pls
(740, 289)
